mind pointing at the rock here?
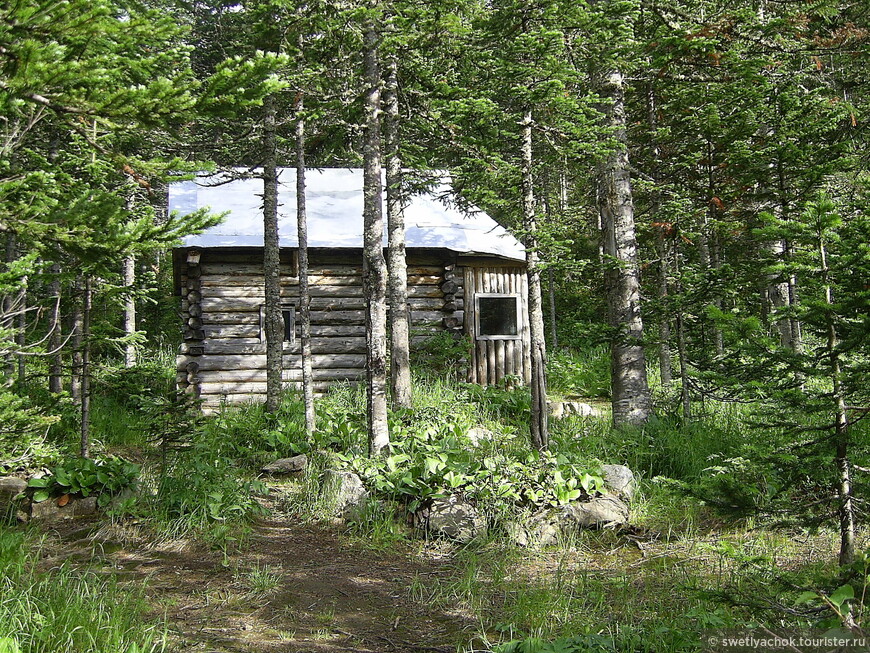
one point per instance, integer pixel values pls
(478, 434)
(293, 465)
(619, 481)
(84, 506)
(538, 530)
(600, 512)
(345, 492)
(10, 488)
(49, 511)
(455, 519)
(560, 409)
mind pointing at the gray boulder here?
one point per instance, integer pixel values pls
(538, 530)
(479, 434)
(453, 518)
(344, 492)
(560, 409)
(600, 512)
(619, 481)
(10, 488)
(293, 465)
(49, 511)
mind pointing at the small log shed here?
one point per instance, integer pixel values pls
(466, 274)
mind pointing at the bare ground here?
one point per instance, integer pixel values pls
(329, 596)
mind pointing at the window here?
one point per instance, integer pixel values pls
(497, 316)
(288, 314)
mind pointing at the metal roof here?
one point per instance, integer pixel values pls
(334, 203)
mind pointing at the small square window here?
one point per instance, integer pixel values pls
(288, 315)
(497, 316)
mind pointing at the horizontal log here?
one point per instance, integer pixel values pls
(252, 269)
(208, 388)
(231, 331)
(319, 361)
(249, 317)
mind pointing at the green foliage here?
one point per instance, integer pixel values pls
(592, 643)
(59, 609)
(23, 430)
(443, 355)
(201, 493)
(86, 477)
(585, 373)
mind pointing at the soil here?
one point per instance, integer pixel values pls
(328, 595)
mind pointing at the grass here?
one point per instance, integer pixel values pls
(67, 610)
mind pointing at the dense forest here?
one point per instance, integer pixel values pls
(691, 185)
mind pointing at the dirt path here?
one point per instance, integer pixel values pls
(293, 588)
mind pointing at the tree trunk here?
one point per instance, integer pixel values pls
(75, 383)
(374, 265)
(845, 506)
(21, 332)
(273, 322)
(129, 311)
(665, 364)
(9, 308)
(397, 283)
(304, 296)
(551, 295)
(632, 403)
(87, 298)
(55, 361)
(539, 427)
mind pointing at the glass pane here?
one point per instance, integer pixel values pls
(497, 316)
(289, 324)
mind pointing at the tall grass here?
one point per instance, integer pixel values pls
(65, 610)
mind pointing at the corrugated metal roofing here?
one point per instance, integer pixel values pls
(334, 203)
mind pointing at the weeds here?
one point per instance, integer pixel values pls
(67, 610)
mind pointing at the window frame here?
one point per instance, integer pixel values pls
(285, 306)
(486, 295)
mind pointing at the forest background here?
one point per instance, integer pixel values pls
(691, 180)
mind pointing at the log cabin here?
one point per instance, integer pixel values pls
(466, 275)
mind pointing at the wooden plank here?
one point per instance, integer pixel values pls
(319, 361)
(337, 317)
(231, 318)
(259, 387)
(223, 331)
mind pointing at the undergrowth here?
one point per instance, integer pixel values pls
(63, 609)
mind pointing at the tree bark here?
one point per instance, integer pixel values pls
(304, 295)
(9, 307)
(538, 426)
(397, 266)
(665, 363)
(130, 353)
(273, 322)
(845, 506)
(87, 299)
(55, 361)
(632, 403)
(75, 383)
(374, 264)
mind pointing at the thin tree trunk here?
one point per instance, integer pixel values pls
(374, 265)
(55, 361)
(539, 426)
(75, 384)
(397, 283)
(273, 322)
(21, 331)
(87, 299)
(304, 296)
(665, 363)
(632, 403)
(682, 354)
(845, 506)
(551, 294)
(9, 306)
(130, 354)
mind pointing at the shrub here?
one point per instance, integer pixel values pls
(85, 477)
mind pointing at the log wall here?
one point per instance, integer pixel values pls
(223, 358)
